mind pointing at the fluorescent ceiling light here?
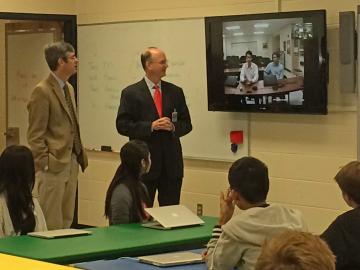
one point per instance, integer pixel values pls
(238, 34)
(234, 27)
(258, 33)
(261, 25)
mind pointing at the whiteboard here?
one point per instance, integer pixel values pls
(109, 56)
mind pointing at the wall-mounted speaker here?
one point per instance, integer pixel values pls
(348, 51)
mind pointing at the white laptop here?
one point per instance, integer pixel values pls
(171, 259)
(59, 233)
(168, 217)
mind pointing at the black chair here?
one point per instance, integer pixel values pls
(266, 61)
(261, 75)
(233, 61)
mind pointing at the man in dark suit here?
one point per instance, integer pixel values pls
(155, 111)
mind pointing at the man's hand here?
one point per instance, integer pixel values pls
(163, 123)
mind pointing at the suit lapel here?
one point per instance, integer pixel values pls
(166, 101)
(59, 93)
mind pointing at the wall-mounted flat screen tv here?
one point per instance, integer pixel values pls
(273, 62)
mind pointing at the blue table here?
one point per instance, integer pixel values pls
(134, 264)
(131, 264)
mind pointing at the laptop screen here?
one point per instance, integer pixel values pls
(174, 216)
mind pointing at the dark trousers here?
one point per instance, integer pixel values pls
(169, 189)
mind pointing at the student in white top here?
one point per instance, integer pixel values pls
(19, 212)
(237, 239)
(249, 72)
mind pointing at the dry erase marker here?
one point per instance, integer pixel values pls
(174, 116)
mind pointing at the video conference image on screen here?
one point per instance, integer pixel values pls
(264, 60)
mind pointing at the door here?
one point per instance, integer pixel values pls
(26, 66)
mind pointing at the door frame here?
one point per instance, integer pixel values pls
(70, 28)
(70, 36)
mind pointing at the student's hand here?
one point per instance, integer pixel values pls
(204, 254)
(227, 207)
(163, 123)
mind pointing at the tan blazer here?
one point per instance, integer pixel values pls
(51, 129)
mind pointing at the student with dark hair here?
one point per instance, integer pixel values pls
(127, 196)
(20, 213)
(343, 235)
(236, 240)
(249, 71)
(293, 250)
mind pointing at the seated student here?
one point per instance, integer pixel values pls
(20, 213)
(249, 72)
(274, 67)
(237, 240)
(296, 251)
(127, 196)
(343, 235)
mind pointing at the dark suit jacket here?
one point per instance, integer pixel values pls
(136, 113)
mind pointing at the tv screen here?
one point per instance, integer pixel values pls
(273, 62)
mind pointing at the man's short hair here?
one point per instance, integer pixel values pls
(249, 53)
(249, 177)
(294, 250)
(277, 54)
(348, 179)
(55, 51)
(146, 56)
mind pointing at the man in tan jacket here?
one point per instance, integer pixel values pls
(54, 137)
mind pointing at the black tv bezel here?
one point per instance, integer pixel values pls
(315, 69)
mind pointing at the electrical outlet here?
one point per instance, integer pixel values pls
(199, 209)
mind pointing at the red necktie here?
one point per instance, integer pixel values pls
(158, 100)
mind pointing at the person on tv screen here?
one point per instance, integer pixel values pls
(343, 234)
(274, 67)
(249, 72)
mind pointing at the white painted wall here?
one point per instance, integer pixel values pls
(303, 152)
